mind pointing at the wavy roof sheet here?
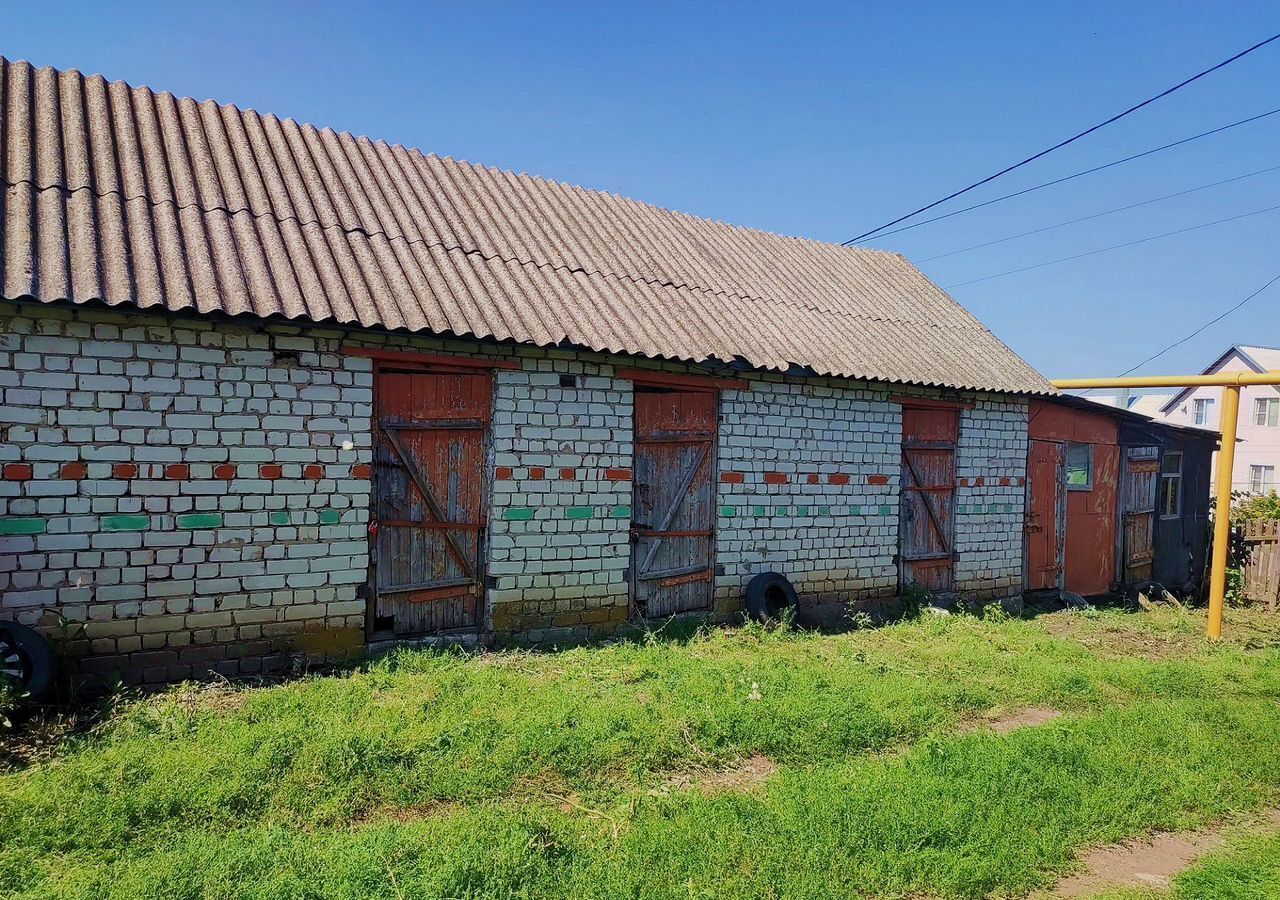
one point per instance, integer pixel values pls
(128, 196)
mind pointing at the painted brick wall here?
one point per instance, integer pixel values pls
(808, 487)
(196, 494)
(991, 468)
(561, 507)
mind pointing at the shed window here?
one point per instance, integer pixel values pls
(1262, 479)
(1079, 467)
(1266, 412)
(1171, 485)
(1201, 407)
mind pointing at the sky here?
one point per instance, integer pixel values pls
(818, 120)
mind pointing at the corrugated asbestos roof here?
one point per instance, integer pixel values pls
(124, 195)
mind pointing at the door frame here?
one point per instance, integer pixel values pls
(1059, 514)
(679, 383)
(930, 405)
(386, 361)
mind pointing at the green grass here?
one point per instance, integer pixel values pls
(551, 775)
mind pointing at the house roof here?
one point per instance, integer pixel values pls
(1084, 404)
(127, 196)
(1260, 359)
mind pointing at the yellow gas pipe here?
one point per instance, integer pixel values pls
(1230, 382)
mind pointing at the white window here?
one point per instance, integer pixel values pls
(1262, 479)
(1079, 467)
(1171, 485)
(1266, 411)
(1201, 406)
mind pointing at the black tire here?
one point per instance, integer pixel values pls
(768, 596)
(27, 659)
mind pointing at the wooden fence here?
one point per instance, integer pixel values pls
(1262, 572)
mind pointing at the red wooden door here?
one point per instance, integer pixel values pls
(1046, 514)
(430, 501)
(673, 502)
(926, 528)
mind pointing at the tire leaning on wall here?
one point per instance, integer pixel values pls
(26, 659)
(768, 595)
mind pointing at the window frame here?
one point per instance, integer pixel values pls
(1175, 478)
(1089, 468)
(1201, 405)
(1264, 470)
(1266, 412)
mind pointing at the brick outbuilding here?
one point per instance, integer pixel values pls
(273, 391)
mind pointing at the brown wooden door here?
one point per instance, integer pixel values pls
(1139, 483)
(673, 502)
(429, 505)
(1046, 514)
(926, 528)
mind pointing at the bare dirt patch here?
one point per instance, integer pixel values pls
(741, 776)
(1032, 715)
(1151, 862)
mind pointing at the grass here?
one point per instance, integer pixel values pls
(550, 775)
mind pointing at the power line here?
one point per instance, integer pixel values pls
(1073, 138)
(1213, 321)
(1186, 140)
(1154, 237)
(1098, 215)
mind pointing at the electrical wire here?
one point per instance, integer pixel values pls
(1178, 143)
(1072, 139)
(1098, 215)
(1154, 237)
(1213, 321)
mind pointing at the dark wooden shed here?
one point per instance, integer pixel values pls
(1114, 500)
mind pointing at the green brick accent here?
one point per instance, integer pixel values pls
(126, 523)
(620, 512)
(330, 517)
(22, 526)
(760, 511)
(200, 520)
(855, 510)
(824, 510)
(517, 513)
(728, 511)
(279, 517)
(884, 510)
(579, 512)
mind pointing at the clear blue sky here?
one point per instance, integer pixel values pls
(815, 120)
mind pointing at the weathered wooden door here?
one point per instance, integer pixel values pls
(926, 528)
(1046, 514)
(1139, 484)
(430, 500)
(673, 502)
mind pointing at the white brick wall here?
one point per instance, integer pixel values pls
(192, 490)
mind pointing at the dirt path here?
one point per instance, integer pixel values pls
(1151, 862)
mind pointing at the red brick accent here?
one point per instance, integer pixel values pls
(73, 471)
(1021, 482)
(270, 470)
(177, 471)
(502, 473)
(125, 470)
(962, 482)
(537, 473)
(313, 472)
(226, 471)
(813, 478)
(17, 472)
(979, 482)
(617, 474)
(363, 470)
(1006, 481)
(877, 479)
(568, 474)
(837, 478)
(731, 477)
(775, 478)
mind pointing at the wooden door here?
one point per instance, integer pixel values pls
(1140, 482)
(429, 500)
(1046, 515)
(673, 503)
(926, 528)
